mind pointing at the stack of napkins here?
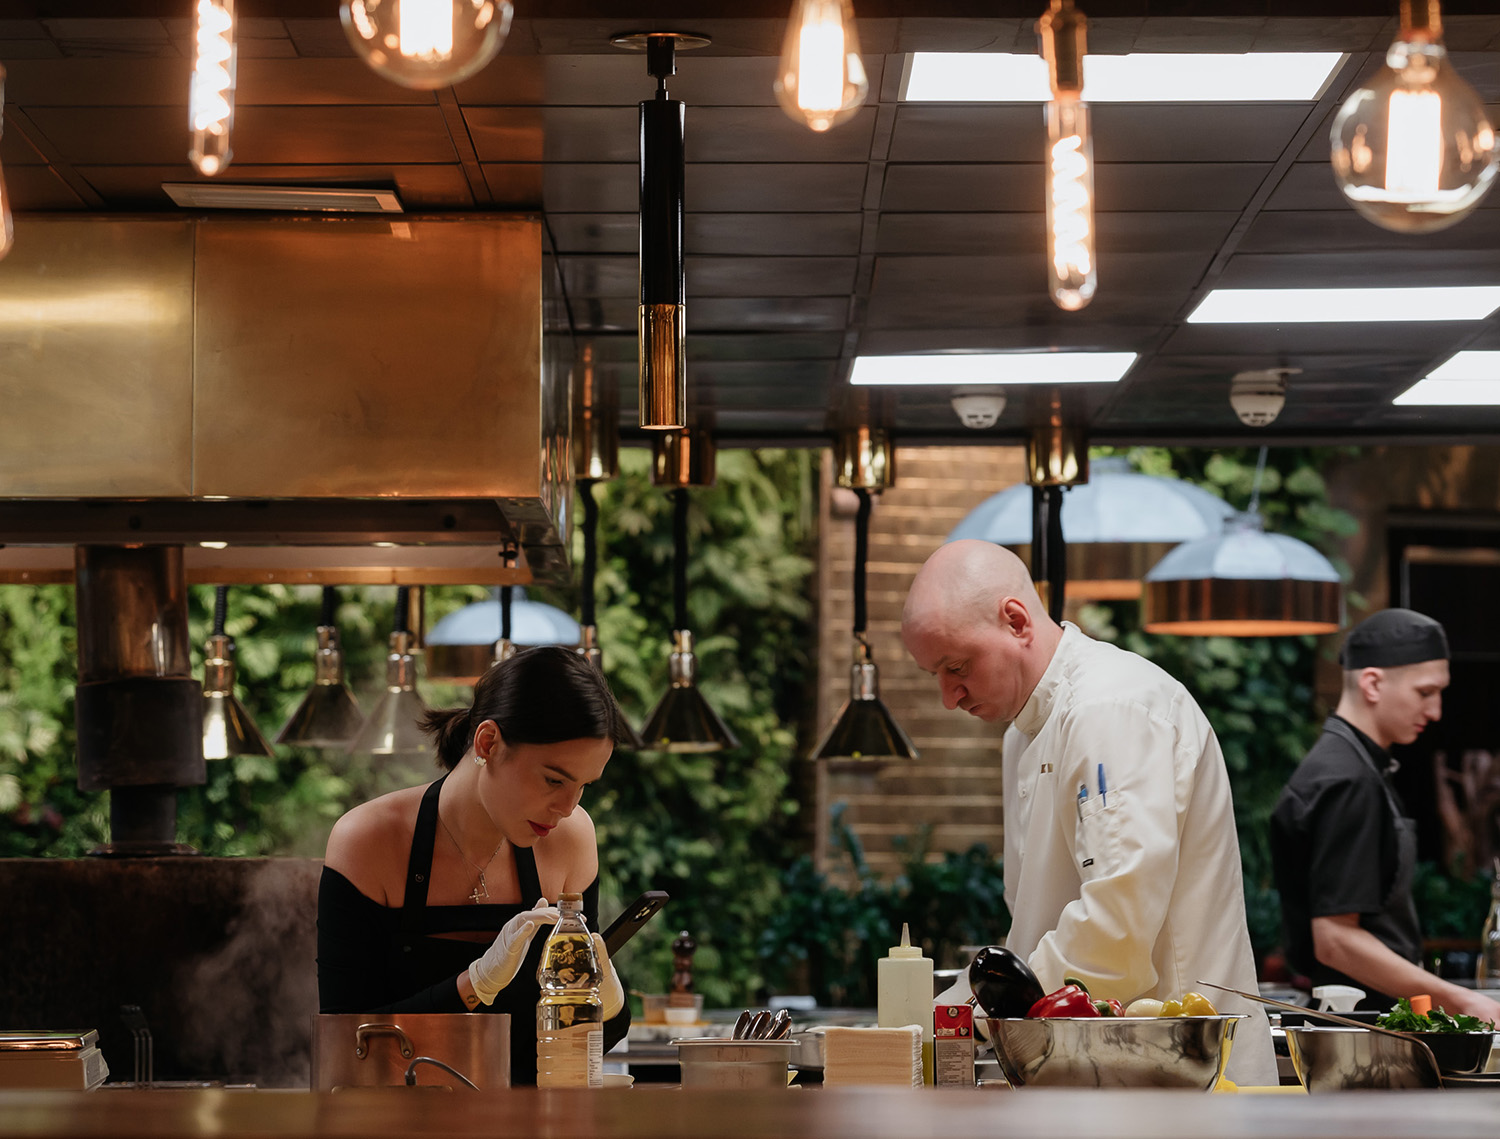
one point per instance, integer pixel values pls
(52, 1060)
(853, 1056)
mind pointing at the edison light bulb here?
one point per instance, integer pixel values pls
(822, 78)
(211, 95)
(1413, 150)
(1072, 275)
(426, 43)
(7, 223)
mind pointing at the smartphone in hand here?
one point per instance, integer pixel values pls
(635, 915)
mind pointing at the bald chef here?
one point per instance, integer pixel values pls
(1122, 866)
(1343, 848)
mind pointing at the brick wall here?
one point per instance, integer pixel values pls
(955, 785)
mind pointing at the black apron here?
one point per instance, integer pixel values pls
(424, 960)
(1396, 924)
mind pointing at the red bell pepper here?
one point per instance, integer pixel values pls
(1070, 1000)
(1109, 1007)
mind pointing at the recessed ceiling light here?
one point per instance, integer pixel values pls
(992, 368)
(1250, 77)
(221, 196)
(1465, 379)
(1332, 306)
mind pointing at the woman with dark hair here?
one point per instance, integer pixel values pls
(417, 881)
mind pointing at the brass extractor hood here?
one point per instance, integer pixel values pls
(310, 401)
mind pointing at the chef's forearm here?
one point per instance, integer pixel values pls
(1340, 943)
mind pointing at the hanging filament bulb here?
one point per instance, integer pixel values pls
(7, 223)
(1072, 274)
(211, 95)
(822, 78)
(1414, 150)
(426, 44)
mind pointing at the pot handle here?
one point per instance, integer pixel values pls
(363, 1033)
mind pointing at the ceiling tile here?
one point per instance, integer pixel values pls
(978, 233)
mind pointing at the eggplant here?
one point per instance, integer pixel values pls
(1003, 983)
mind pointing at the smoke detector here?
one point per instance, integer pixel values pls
(1258, 397)
(979, 407)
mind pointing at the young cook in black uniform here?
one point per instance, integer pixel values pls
(418, 883)
(1342, 844)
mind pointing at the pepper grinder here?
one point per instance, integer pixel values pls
(681, 997)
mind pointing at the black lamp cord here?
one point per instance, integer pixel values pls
(590, 549)
(506, 593)
(679, 558)
(221, 608)
(861, 553)
(403, 610)
(330, 604)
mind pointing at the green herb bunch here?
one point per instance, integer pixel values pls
(1401, 1018)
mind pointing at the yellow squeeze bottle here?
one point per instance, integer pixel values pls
(903, 986)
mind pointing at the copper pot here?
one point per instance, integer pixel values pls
(382, 1049)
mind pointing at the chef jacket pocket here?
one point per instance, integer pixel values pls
(1096, 845)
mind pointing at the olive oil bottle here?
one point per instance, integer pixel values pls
(570, 1013)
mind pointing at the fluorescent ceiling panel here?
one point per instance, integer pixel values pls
(1467, 379)
(1337, 306)
(992, 368)
(1450, 393)
(1253, 77)
(226, 196)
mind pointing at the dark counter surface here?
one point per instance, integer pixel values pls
(669, 1113)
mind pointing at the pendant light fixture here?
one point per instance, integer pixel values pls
(1413, 149)
(1243, 582)
(329, 716)
(211, 93)
(426, 44)
(596, 457)
(7, 223)
(821, 81)
(1072, 273)
(682, 720)
(663, 310)
(1057, 457)
(864, 735)
(394, 728)
(228, 730)
(1115, 527)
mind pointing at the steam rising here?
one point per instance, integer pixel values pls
(248, 1008)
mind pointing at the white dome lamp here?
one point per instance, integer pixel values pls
(465, 643)
(1243, 582)
(1114, 526)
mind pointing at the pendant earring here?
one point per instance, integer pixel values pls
(479, 760)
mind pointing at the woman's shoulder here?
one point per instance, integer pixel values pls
(370, 843)
(570, 854)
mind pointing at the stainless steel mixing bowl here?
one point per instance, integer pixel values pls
(1338, 1059)
(1113, 1052)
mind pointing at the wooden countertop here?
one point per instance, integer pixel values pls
(811, 1113)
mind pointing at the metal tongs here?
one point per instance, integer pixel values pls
(1347, 1022)
(763, 1025)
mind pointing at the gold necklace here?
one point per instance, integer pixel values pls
(481, 891)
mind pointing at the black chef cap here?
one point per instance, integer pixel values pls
(1391, 638)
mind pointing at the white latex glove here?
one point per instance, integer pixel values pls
(611, 992)
(502, 960)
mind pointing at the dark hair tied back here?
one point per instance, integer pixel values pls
(539, 696)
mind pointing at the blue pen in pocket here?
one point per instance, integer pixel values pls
(1103, 802)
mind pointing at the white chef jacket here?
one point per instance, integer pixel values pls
(1131, 880)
